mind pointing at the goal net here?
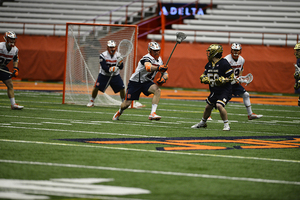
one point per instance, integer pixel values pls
(84, 44)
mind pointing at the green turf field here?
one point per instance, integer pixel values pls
(54, 151)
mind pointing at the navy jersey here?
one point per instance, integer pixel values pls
(221, 68)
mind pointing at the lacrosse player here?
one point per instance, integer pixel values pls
(237, 63)
(142, 81)
(218, 74)
(110, 65)
(297, 71)
(8, 52)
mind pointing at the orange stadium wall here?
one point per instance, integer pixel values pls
(42, 59)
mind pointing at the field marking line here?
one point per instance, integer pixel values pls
(152, 151)
(124, 122)
(74, 131)
(258, 180)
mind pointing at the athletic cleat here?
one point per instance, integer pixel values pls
(16, 107)
(254, 116)
(90, 104)
(116, 116)
(154, 116)
(226, 128)
(209, 119)
(199, 125)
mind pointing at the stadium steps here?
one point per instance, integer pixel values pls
(248, 22)
(48, 17)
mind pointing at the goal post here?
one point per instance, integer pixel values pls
(83, 46)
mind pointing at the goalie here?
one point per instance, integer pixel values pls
(218, 74)
(237, 63)
(142, 81)
(297, 66)
(110, 65)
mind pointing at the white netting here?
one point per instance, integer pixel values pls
(85, 42)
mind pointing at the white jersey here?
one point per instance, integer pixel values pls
(141, 75)
(7, 56)
(110, 62)
(237, 66)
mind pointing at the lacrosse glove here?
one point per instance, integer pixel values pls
(15, 73)
(220, 81)
(162, 68)
(161, 80)
(204, 79)
(119, 61)
(297, 85)
(297, 75)
(113, 69)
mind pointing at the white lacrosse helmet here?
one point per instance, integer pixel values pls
(111, 47)
(111, 43)
(153, 46)
(236, 46)
(9, 38)
(236, 50)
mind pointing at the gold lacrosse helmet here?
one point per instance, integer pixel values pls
(213, 50)
(297, 50)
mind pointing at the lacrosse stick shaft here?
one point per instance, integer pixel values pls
(171, 53)
(5, 71)
(107, 84)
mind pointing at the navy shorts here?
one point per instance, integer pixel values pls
(238, 90)
(221, 98)
(116, 83)
(3, 75)
(136, 88)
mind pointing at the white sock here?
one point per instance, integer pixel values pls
(92, 99)
(12, 101)
(246, 99)
(154, 107)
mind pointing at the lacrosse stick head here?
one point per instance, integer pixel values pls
(297, 50)
(246, 79)
(180, 36)
(125, 47)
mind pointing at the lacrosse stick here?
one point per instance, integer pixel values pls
(297, 69)
(124, 48)
(5, 71)
(245, 79)
(180, 36)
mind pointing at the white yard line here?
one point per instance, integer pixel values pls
(152, 151)
(258, 180)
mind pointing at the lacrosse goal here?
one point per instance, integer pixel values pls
(84, 43)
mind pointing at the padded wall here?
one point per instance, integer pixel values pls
(42, 58)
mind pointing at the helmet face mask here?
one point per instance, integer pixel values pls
(111, 47)
(297, 50)
(213, 50)
(10, 38)
(236, 50)
(154, 49)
